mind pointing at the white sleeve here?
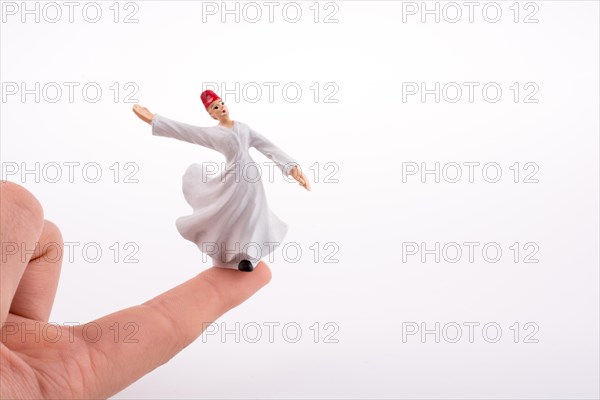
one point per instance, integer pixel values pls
(163, 126)
(272, 152)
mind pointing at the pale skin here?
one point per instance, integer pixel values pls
(218, 111)
(77, 366)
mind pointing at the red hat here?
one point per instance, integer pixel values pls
(207, 97)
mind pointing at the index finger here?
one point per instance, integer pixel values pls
(167, 324)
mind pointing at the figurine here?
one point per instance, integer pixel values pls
(231, 221)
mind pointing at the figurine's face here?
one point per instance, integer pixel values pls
(218, 110)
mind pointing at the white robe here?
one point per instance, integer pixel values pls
(231, 220)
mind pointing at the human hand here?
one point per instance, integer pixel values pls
(143, 113)
(298, 175)
(73, 366)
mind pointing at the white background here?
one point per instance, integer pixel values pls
(369, 213)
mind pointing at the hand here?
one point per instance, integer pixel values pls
(36, 366)
(298, 175)
(143, 113)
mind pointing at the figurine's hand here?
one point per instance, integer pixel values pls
(143, 113)
(95, 360)
(298, 175)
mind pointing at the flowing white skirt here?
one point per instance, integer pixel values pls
(231, 220)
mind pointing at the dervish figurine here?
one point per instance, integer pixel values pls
(231, 221)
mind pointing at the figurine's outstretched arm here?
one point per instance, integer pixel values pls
(286, 163)
(163, 126)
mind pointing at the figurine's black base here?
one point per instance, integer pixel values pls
(245, 266)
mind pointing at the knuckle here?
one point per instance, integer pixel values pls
(19, 206)
(52, 232)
